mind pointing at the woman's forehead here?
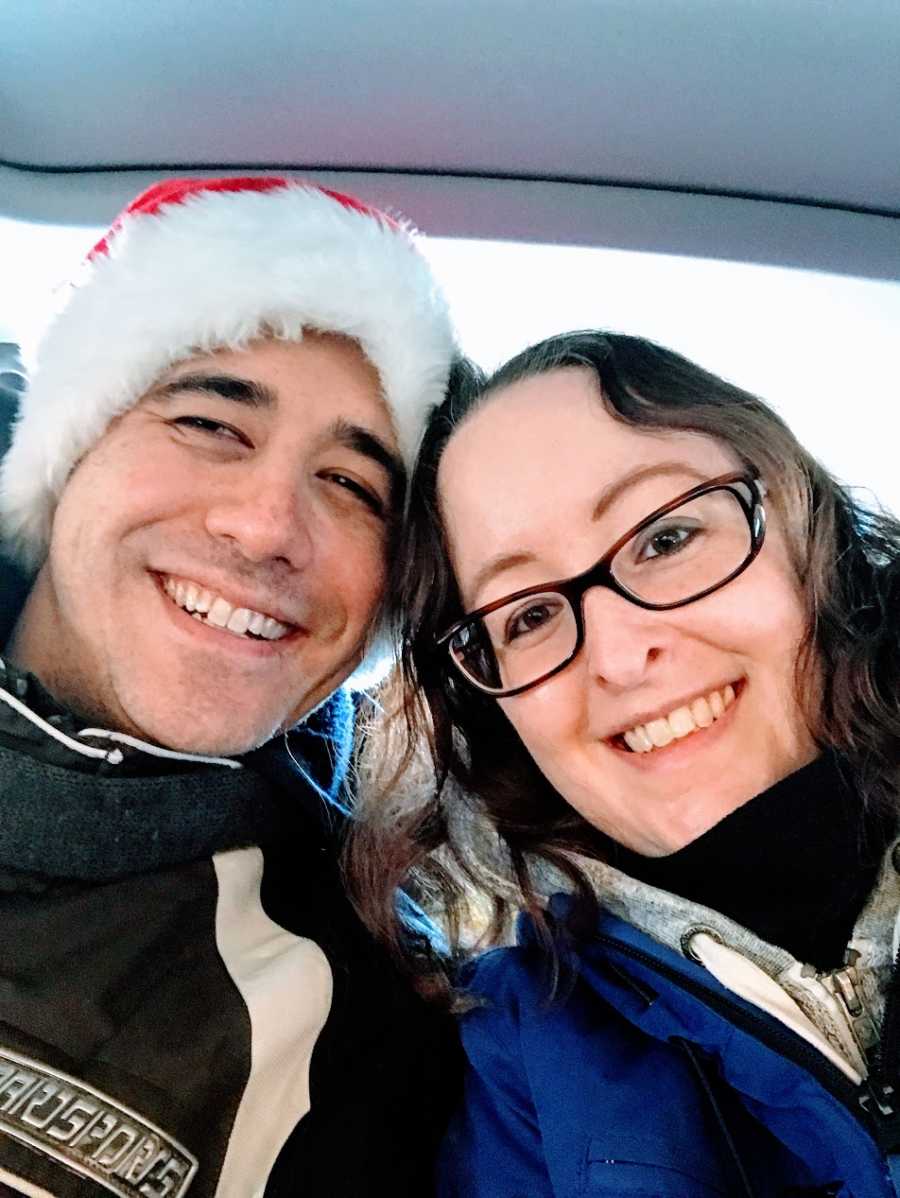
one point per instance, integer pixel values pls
(558, 428)
(543, 474)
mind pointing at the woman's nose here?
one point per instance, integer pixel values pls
(621, 640)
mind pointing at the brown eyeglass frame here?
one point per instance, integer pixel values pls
(601, 575)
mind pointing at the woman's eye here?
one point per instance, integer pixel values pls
(665, 542)
(215, 428)
(530, 619)
(370, 498)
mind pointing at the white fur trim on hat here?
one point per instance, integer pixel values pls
(212, 271)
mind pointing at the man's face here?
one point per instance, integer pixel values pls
(217, 559)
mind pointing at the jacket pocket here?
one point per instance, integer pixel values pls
(619, 1177)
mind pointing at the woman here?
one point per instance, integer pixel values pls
(658, 650)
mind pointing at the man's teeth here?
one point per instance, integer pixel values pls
(656, 734)
(210, 608)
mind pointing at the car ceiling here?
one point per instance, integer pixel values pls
(762, 130)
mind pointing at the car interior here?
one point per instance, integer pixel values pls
(722, 178)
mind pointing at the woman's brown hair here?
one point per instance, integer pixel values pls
(478, 818)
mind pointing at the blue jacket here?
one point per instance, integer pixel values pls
(649, 1079)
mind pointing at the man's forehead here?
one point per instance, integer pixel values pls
(332, 364)
(248, 352)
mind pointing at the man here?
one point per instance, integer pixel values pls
(203, 480)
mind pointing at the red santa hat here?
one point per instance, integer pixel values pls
(195, 265)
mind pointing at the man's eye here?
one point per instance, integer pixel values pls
(372, 500)
(215, 428)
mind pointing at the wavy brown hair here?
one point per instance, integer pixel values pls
(462, 813)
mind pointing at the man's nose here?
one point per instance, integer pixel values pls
(621, 640)
(262, 515)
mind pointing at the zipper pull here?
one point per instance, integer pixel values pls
(848, 991)
(846, 983)
(879, 1101)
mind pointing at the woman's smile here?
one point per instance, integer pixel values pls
(649, 734)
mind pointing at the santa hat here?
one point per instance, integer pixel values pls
(195, 265)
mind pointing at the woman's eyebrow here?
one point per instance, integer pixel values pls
(495, 566)
(226, 386)
(610, 494)
(508, 561)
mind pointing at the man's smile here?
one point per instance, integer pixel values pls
(214, 609)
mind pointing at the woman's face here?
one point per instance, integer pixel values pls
(524, 487)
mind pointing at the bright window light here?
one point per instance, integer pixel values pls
(821, 348)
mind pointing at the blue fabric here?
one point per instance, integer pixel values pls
(316, 753)
(592, 1093)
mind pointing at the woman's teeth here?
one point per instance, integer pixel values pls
(210, 608)
(679, 723)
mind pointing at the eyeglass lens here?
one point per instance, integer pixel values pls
(684, 553)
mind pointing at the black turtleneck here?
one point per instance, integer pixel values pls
(795, 865)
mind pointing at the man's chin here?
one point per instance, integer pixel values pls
(205, 739)
(219, 743)
(213, 720)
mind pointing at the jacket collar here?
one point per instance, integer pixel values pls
(90, 804)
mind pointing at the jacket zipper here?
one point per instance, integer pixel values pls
(874, 1103)
(847, 988)
(882, 1102)
(838, 993)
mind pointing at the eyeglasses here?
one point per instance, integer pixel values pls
(680, 553)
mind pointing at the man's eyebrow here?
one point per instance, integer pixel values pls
(608, 496)
(258, 395)
(364, 441)
(225, 386)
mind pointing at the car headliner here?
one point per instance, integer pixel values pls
(757, 130)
